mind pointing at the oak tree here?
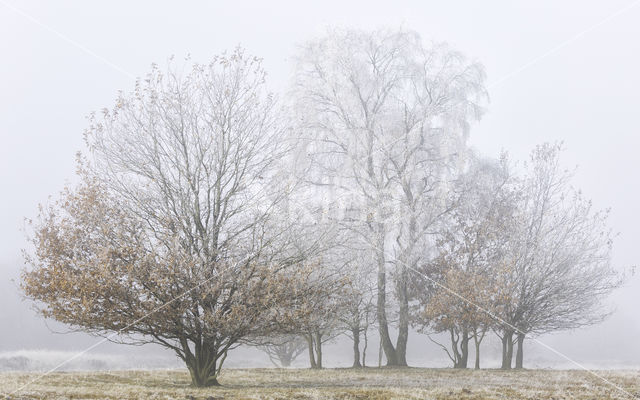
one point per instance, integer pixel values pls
(175, 234)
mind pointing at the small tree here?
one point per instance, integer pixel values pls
(472, 246)
(321, 324)
(359, 311)
(284, 349)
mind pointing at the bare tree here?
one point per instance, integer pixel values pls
(358, 313)
(561, 267)
(284, 349)
(384, 120)
(322, 324)
(175, 235)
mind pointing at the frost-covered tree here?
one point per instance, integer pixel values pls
(472, 247)
(321, 324)
(176, 234)
(358, 312)
(384, 119)
(283, 349)
(561, 261)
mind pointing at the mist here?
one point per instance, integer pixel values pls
(556, 72)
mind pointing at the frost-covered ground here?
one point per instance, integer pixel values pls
(44, 360)
(377, 384)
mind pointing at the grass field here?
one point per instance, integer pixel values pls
(301, 384)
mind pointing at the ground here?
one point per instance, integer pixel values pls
(344, 384)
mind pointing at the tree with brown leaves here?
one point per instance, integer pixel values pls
(471, 250)
(175, 234)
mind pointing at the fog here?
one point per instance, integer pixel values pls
(556, 72)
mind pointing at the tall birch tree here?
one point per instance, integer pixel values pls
(384, 120)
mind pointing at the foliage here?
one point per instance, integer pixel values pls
(175, 234)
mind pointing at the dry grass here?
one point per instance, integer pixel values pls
(344, 384)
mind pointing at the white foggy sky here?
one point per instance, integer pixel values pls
(586, 94)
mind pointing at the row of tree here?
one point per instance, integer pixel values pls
(209, 214)
(527, 254)
(517, 255)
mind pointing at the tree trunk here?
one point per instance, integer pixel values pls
(477, 343)
(461, 355)
(364, 349)
(385, 339)
(403, 295)
(203, 365)
(507, 349)
(403, 320)
(285, 362)
(356, 348)
(318, 345)
(312, 358)
(380, 353)
(520, 350)
(464, 347)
